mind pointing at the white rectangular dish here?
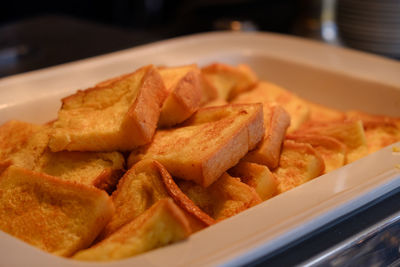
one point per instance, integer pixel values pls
(336, 77)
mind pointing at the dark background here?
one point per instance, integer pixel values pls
(36, 34)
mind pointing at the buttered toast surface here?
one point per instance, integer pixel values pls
(148, 158)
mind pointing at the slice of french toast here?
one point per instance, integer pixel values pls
(101, 170)
(116, 115)
(185, 93)
(142, 186)
(225, 198)
(162, 224)
(209, 143)
(331, 150)
(257, 176)
(351, 133)
(229, 81)
(298, 164)
(380, 130)
(266, 92)
(57, 216)
(276, 122)
(14, 135)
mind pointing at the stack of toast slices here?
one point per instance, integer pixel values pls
(148, 158)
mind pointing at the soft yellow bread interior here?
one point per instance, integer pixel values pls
(162, 224)
(57, 216)
(117, 115)
(208, 144)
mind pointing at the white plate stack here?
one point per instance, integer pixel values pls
(370, 25)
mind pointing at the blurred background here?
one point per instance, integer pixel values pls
(36, 34)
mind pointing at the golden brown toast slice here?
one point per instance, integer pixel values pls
(142, 186)
(54, 215)
(185, 94)
(209, 143)
(162, 224)
(299, 163)
(13, 137)
(276, 122)
(225, 198)
(228, 80)
(266, 92)
(101, 170)
(350, 133)
(257, 176)
(117, 115)
(331, 150)
(380, 130)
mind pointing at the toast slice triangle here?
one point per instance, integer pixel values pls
(209, 143)
(116, 115)
(184, 88)
(54, 215)
(162, 224)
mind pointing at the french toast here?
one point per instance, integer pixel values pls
(14, 135)
(163, 223)
(267, 152)
(229, 81)
(117, 115)
(380, 131)
(57, 216)
(299, 163)
(209, 143)
(143, 185)
(225, 198)
(257, 176)
(349, 132)
(266, 92)
(331, 150)
(185, 94)
(101, 170)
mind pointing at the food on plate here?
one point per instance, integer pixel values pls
(57, 216)
(162, 224)
(209, 143)
(148, 158)
(119, 114)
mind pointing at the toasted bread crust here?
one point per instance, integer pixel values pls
(276, 122)
(117, 115)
